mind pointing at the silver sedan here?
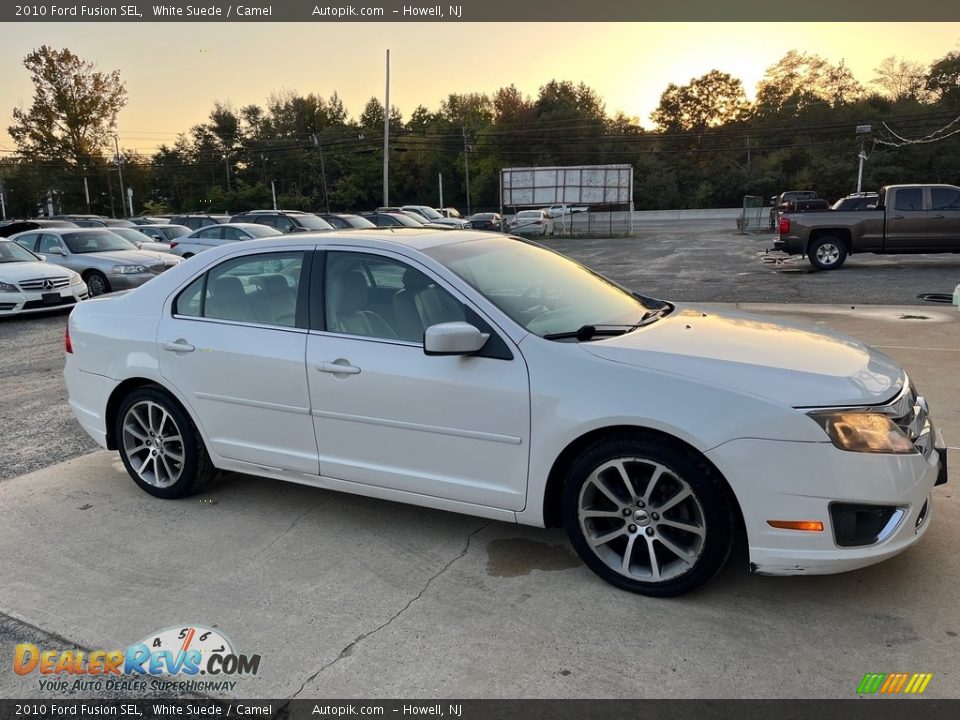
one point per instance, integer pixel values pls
(104, 260)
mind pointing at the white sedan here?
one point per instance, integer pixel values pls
(532, 222)
(219, 234)
(29, 284)
(487, 375)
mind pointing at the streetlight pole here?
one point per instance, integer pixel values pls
(116, 145)
(466, 165)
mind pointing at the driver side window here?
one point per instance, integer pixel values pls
(378, 297)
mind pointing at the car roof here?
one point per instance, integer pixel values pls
(418, 238)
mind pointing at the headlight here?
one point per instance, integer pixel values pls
(861, 431)
(75, 279)
(128, 269)
(7, 287)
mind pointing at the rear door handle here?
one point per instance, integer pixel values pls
(936, 217)
(179, 345)
(897, 217)
(340, 367)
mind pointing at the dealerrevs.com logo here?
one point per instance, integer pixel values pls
(166, 661)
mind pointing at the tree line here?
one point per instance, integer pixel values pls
(708, 147)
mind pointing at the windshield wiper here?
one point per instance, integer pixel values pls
(588, 332)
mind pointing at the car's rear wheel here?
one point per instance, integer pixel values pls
(160, 447)
(97, 283)
(827, 253)
(647, 515)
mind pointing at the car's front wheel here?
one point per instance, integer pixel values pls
(647, 515)
(159, 445)
(97, 283)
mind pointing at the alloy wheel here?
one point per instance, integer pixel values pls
(153, 444)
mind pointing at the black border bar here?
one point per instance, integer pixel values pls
(874, 708)
(325, 11)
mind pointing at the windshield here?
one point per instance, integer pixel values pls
(416, 218)
(406, 220)
(10, 252)
(260, 231)
(172, 231)
(357, 222)
(429, 212)
(312, 222)
(90, 242)
(539, 289)
(129, 234)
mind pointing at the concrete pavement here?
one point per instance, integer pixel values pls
(346, 596)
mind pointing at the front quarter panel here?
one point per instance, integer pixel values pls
(574, 393)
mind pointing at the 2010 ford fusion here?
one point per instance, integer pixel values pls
(488, 375)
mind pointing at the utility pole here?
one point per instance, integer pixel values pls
(862, 132)
(273, 190)
(116, 145)
(386, 139)
(3, 201)
(226, 162)
(466, 165)
(323, 172)
(86, 189)
(441, 190)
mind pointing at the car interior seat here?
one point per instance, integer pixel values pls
(347, 312)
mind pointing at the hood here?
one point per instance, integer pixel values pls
(785, 362)
(14, 272)
(134, 257)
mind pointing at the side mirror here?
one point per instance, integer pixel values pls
(43, 258)
(55, 251)
(453, 338)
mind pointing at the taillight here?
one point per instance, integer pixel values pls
(538, 222)
(173, 244)
(784, 225)
(67, 345)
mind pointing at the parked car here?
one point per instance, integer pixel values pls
(93, 221)
(486, 221)
(389, 219)
(531, 222)
(19, 226)
(856, 201)
(346, 221)
(30, 284)
(906, 219)
(216, 235)
(195, 221)
(558, 210)
(105, 261)
(149, 220)
(286, 221)
(164, 233)
(139, 240)
(450, 212)
(488, 375)
(433, 216)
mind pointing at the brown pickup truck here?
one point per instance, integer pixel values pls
(907, 219)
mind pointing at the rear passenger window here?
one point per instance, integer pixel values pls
(257, 289)
(909, 199)
(945, 199)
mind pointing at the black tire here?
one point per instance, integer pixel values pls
(187, 255)
(707, 509)
(97, 283)
(827, 253)
(195, 469)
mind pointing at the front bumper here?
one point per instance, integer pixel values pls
(779, 480)
(28, 301)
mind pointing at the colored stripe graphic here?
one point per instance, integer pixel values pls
(894, 683)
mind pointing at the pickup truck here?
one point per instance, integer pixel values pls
(906, 219)
(795, 201)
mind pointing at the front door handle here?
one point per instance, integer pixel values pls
(178, 345)
(338, 367)
(897, 217)
(936, 217)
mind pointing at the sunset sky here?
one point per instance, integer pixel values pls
(175, 71)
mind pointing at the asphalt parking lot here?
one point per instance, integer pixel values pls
(346, 596)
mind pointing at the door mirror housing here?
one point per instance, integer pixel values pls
(453, 338)
(43, 258)
(55, 251)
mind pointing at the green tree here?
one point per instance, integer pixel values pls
(74, 110)
(707, 101)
